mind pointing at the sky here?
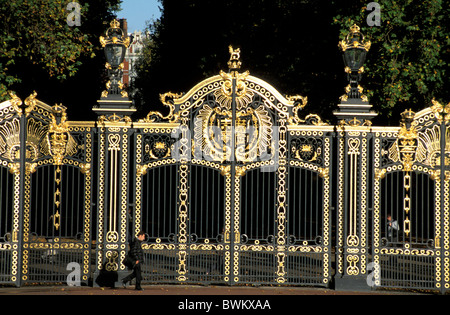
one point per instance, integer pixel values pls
(137, 12)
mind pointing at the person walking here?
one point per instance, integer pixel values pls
(392, 228)
(137, 256)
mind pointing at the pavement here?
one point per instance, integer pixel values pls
(190, 290)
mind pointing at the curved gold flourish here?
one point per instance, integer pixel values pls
(442, 112)
(165, 100)
(246, 88)
(10, 139)
(30, 103)
(16, 102)
(429, 146)
(297, 104)
(352, 268)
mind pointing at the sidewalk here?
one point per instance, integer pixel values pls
(189, 290)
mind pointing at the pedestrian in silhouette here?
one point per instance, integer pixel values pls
(137, 255)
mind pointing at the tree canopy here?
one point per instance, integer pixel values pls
(289, 43)
(40, 51)
(408, 64)
(292, 44)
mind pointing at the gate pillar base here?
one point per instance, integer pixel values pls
(351, 283)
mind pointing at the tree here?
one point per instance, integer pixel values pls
(289, 43)
(292, 44)
(408, 64)
(40, 51)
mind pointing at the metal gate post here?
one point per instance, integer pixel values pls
(354, 115)
(113, 198)
(444, 244)
(443, 119)
(18, 235)
(21, 171)
(114, 128)
(235, 235)
(352, 253)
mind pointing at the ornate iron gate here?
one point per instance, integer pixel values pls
(411, 201)
(224, 166)
(48, 190)
(233, 186)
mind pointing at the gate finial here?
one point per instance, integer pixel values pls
(235, 63)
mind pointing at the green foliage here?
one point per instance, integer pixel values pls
(408, 63)
(292, 44)
(37, 31)
(40, 51)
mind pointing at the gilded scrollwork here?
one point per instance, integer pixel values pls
(352, 268)
(158, 246)
(429, 147)
(306, 249)
(243, 95)
(16, 102)
(52, 139)
(416, 143)
(355, 122)
(10, 140)
(30, 103)
(442, 112)
(167, 100)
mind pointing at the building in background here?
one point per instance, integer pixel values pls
(133, 53)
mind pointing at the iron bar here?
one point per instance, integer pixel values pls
(444, 243)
